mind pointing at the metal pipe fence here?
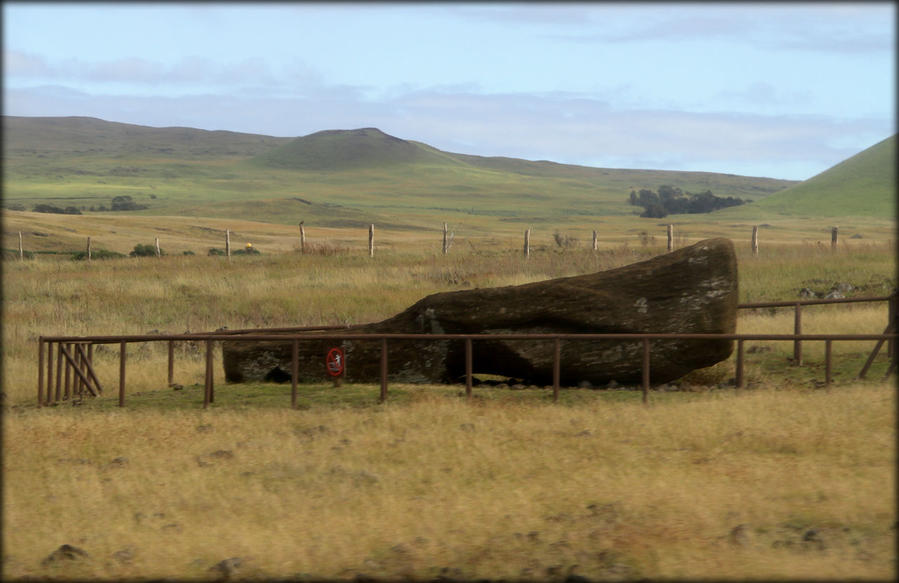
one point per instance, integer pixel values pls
(62, 342)
(74, 374)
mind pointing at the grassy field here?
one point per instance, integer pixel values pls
(782, 480)
(785, 479)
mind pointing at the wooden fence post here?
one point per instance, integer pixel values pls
(21, 249)
(445, 246)
(595, 241)
(371, 240)
(833, 238)
(527, 242)
(88, 248)
(228, 243)
(158, 252)
(302, 237)
(670, 237)
(755, 240)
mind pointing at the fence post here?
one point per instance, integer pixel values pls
(755, 240)
(302, 237)
(468, 367)
(21, 249)
(893, 323)
(122, 352)
(383, 396)
(171, 363)
(88, 248)
(738, 377)
(371, 240)
(445, 245)
(670, 238)
(827, 375)
(158, 251)
(833, 238)
(527, 242)
(645, 371)
(557, 368)
(40, 370)
(595, 241)
(797, 330)
(68, 375)
(58, 386)
(210, 389)
(294, 372)
(228, 243)
(49, 372)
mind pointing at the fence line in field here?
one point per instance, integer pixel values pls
(79, 377)
(448, 240)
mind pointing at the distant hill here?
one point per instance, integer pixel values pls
(95, 137)
(347, 149)
(863, 185)
(331, 178)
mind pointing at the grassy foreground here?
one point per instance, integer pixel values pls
(778, 481)
(759, 484)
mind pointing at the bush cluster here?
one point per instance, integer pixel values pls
(49, 208)
(672, 200)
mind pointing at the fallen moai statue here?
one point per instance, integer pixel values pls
(690, 290)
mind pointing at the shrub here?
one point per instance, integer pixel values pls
(49, 208)
(141, 250)
(124, 203)
(98, 254)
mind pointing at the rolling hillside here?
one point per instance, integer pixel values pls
(349, 178)
(863, 185)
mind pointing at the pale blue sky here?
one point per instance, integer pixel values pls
(779, 90)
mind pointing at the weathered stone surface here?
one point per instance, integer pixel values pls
(691, 290)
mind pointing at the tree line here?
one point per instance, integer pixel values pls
(672, 200)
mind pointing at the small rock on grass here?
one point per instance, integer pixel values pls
(65, 553)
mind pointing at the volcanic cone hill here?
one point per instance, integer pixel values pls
(862, 185)
(348, 150)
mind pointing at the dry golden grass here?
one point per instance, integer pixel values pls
(431, 485)
(737, 485)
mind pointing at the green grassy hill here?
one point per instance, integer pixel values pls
(863, 185)
(331, 178)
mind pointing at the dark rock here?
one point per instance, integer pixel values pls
(739, 535)
(227, 568)
(691, 290)
(65, 553)
(124, 556)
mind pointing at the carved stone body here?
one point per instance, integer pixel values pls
(691, 290)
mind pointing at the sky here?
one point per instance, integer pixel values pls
(778, 90)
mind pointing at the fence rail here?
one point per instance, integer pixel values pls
(71, 374)
(62, 388)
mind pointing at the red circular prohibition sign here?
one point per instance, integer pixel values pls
(335, 362)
